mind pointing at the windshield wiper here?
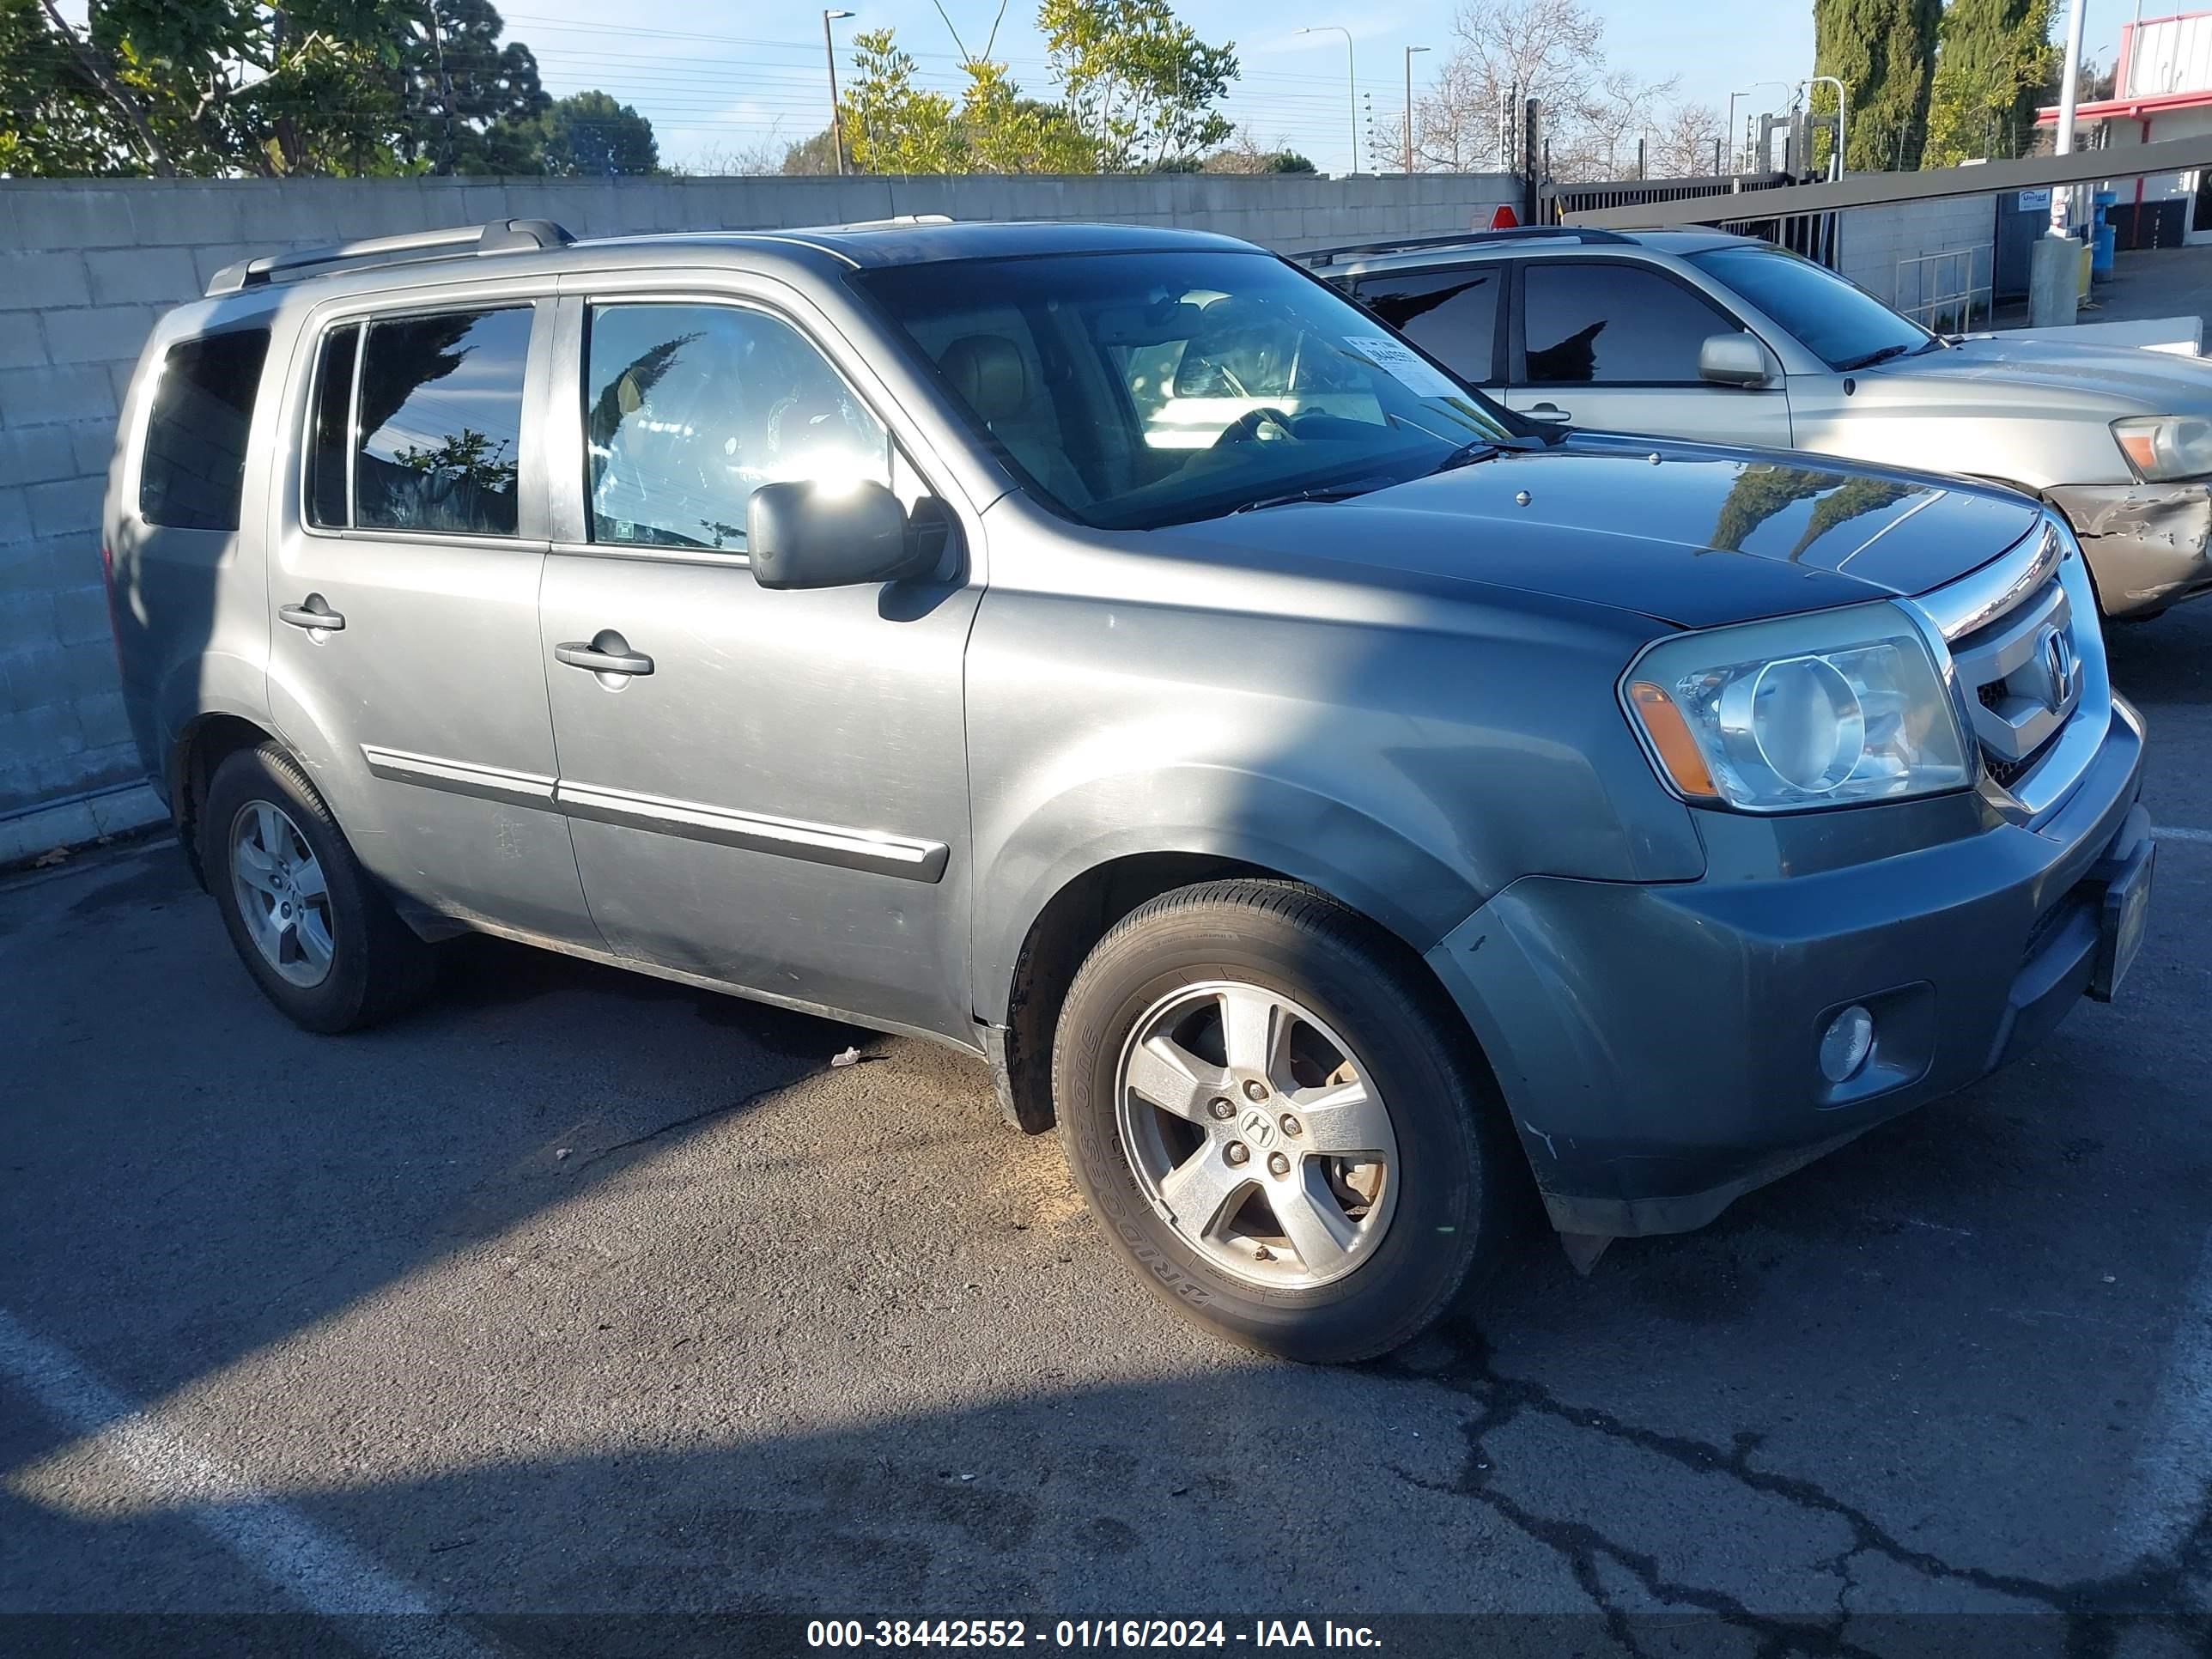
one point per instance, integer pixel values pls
(1882, 355)
(1335, 492)
(1476, 449)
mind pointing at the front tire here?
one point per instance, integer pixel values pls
(1279, 1121)
(320, 939)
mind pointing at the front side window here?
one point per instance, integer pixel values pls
(1837, 321)
(1450, 313)
(689, 409)
(193, 470)
(1612, 325)
(1140, 389)
(440, 423)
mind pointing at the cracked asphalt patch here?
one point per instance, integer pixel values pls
(577, 1291)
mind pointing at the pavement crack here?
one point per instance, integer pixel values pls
(674, 1124)
(2153, 1585)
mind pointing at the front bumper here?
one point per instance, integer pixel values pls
(1657, 1045)
(2149, 545)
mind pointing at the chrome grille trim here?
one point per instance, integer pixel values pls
(1975, 601)
(1994, 622)
(2017, 706)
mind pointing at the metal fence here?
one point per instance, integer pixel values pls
(1812, 235)
(1562, 200)
(1939, 290)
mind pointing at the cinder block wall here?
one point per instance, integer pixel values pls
(1877, 247)
(85, 267)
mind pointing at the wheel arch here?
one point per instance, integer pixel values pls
(1020, 1023)
(204, 743)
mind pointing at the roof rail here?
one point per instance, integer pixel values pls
(1329, 256)
(500, 236)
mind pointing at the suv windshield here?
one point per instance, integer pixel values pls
(1134, 390)
(1838, 322)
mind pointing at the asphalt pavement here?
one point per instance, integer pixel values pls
(578, 1292)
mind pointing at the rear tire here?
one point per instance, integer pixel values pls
(311, 926)
(1362, 1168)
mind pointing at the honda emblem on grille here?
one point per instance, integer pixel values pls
(2058, 669)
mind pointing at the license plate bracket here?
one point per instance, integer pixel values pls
(2123, 919)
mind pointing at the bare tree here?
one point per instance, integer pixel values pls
(1688, 141)
(1552, 50)
(1598, 139)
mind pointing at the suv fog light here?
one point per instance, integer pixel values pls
(1846, 1043)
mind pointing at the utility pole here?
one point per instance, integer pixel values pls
(837, 115)
(1350, 79)
(1410, 50)
(2062, 195)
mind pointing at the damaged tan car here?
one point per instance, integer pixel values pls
(1701, 335)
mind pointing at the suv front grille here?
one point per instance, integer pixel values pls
(2019, 656)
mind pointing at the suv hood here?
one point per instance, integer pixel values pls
(1991, 369)
(1693, 535)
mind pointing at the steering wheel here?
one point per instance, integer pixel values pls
(1245, 428)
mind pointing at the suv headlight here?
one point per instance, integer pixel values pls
(1819, 710)
(2164, 447)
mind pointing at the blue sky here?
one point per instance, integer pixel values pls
(721, 79)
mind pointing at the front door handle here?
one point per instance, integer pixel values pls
(1549, 414)
(606, 653)
(314, 612)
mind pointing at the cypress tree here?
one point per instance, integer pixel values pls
(1884, 52)
(1993, 61)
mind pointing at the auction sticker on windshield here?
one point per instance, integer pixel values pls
(1405, 365)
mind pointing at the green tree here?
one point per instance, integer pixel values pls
(1993, 60)
(220, 87)
(471, 104)
(894, 126)
(214, 88)
(53, 119)
(1137, 82)
(1884, 51)
(1002, 131)
(891, 125)
(590, 135)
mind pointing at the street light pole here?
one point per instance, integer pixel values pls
(1410, 50)
(1731, 126)
(1843, 121)
(837, 115)
(1351, 80)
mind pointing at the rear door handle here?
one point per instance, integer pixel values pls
(315, 612)
(1549, 414)
(608, 654)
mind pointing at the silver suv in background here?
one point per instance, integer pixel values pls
(1336, 817)
(1699, 334)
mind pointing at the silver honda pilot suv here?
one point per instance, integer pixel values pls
(1344, 807)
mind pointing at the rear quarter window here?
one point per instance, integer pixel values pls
(193, 469)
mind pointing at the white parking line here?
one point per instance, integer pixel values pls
(2168, 832)
(316, 1571)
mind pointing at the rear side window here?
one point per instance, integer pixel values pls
(440, 420)
(193, 470)
(1451, 314)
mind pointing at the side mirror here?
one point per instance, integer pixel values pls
(809, 535)
(1733, 359)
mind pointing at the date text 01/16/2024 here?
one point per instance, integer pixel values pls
(1087, 1633)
